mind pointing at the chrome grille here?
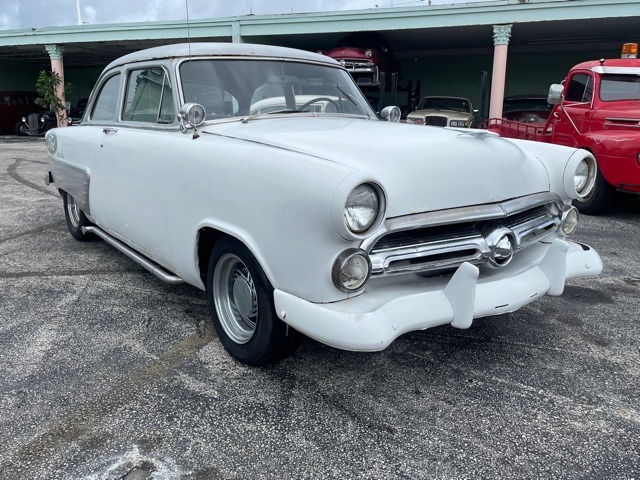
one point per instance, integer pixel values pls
(436, 121)
(439, 241)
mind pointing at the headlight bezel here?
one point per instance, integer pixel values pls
(339, 204)
(577, 162)
(342, 262)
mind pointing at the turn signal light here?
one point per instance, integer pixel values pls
(629, 50)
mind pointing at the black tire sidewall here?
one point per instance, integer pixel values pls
(76, 232)
(599, 200)
(270, 330)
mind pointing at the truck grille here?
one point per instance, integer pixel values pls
(436, 121)
(439, 241)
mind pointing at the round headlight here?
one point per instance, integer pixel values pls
(351, 270)
(569, 220)
(584, 176)
(368, 53)
(362, 208)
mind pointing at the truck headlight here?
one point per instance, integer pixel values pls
(362, 208)
(351, 270)
(457, 123)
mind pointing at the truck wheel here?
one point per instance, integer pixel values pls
(242, 308)
(76, 219)
(600, 199)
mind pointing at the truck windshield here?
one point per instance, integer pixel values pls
(620, 87)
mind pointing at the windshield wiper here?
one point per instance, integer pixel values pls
(286, 110)
(348, 96)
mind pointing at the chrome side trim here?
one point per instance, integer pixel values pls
(135, 256)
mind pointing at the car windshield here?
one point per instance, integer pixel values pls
(445, 103)
(232, 88)
(620, 87)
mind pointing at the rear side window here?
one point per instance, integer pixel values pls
(107, 102)
(580, 88)
(149, 97)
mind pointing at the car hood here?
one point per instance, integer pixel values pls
(420, 168)
(452, 114)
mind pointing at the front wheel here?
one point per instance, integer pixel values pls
(21, 129)
(76, 219)
(599, 200)
(242, 308)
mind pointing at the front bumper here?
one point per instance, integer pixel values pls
(392, 306)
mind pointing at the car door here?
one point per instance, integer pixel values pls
(128, 185)
(570, 118)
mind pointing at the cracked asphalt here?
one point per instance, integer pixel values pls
(107, 373)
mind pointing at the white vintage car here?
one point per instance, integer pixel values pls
(443, 112)
(323, 221)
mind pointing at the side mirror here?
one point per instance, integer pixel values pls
(391, 114)
(364, 82)
(555, 94)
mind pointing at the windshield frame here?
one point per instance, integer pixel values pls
(356, 93)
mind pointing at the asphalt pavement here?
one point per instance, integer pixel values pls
(108, 373)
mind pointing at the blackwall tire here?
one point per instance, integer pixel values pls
(20, 129)
(242, 308)
(600, 199)
(76, 219)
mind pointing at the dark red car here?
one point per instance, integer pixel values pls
(365, 57)
(13, 106)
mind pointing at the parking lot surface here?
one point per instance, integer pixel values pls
(108, 373)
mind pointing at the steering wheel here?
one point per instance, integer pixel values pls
(320, 99)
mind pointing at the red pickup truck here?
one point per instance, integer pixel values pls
(596, 108)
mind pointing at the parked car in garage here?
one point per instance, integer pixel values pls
(365, 56)
(13, 106)
(334, 224)
(443, 112)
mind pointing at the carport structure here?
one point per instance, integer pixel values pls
(525, 44)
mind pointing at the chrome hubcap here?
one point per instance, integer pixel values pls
(74, 211)
(236, 299)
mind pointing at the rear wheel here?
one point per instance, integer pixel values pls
(242, 308)
(599, 200)
(76, 219)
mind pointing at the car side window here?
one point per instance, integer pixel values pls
(149, 97)
(107, 101)
(580, 88)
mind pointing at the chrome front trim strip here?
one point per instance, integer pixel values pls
(438, 253)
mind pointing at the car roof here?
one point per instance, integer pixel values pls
(218, 49)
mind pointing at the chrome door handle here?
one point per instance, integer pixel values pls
(109, 130)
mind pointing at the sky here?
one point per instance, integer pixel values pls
(46, 13)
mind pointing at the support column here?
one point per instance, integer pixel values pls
(57, 66)
(236, 37)
(501, 36)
